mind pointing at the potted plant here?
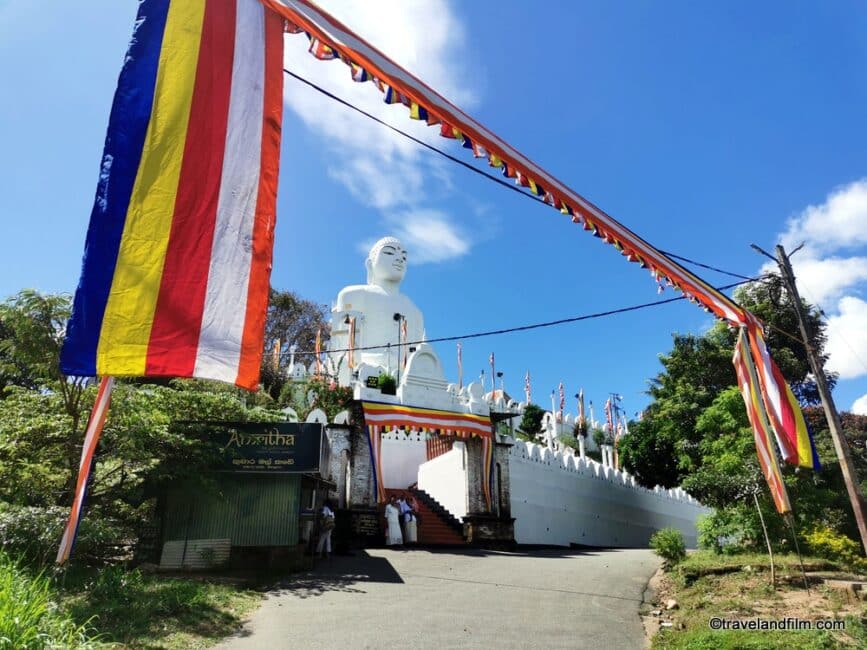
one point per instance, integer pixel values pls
(387, 384)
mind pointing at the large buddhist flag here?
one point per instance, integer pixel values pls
(178, 252)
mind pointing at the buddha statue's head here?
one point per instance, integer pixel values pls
(386, 262)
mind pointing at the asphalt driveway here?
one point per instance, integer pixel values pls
(458, 599)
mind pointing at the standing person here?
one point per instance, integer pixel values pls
(326, 525)
(393, 535)
(410, 521)
(403, 507)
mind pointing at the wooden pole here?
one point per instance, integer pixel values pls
(767, 541)
(844, 455)
(791, 521)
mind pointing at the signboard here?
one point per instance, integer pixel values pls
(372, 381)
(272, 447)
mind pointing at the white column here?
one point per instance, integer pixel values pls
(549, 433)
(581, 446)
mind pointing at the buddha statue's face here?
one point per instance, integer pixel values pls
(387, 261)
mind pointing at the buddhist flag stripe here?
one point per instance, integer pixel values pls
(178, 252)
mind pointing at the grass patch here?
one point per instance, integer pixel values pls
(30, 616)
(702, 563)
(153, 611)
(111, 607)
(708, 586)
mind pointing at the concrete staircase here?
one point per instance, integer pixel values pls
(436, 525)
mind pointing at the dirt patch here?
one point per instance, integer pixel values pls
(658, 590)
(742, 594)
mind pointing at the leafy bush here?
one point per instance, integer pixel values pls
(387, 384)
(29, 617)
(568, 441)
(729, 530)
(531, 421)
(33, 534)
(831, 545)
(668, 544)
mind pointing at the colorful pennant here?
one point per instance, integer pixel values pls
(748, 385)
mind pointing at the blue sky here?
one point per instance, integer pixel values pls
(701, 126)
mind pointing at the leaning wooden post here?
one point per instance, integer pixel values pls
(767, 541)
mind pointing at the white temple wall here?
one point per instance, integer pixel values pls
(562, 499)
(402, 453)
(445, 479)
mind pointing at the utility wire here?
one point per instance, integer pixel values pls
(472, 168)
(454, 159)
(524, 328)
(705, 266)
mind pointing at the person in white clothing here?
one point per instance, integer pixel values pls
(326, 525)
(393, 536)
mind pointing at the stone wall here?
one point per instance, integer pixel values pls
(563, 499)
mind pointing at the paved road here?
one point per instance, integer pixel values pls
(458, 599)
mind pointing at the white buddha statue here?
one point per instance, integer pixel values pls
(380, 309)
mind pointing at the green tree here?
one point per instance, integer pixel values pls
(152, 438)
(290, 320)
(666, 446)
(770, 301)
(36, 324)
(531, 421)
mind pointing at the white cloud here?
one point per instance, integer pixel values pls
(831, 270)
(823, 280)
(859, 406)
(847, 338)
(838, 223)
(429, 236)
(378, 166)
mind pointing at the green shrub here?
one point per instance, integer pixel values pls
(831, 545)
(29, 615)
(568, 441)
(668, 544)
(387, 384)
(33, 534)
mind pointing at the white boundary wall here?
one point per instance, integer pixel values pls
(445, 479)
(402, 453)
(562, 499)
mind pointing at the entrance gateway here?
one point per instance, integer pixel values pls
(410, 432)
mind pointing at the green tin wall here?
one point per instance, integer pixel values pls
(249, 510)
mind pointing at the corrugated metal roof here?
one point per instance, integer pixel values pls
(249, 510)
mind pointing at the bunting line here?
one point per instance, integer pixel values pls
(400, 86)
